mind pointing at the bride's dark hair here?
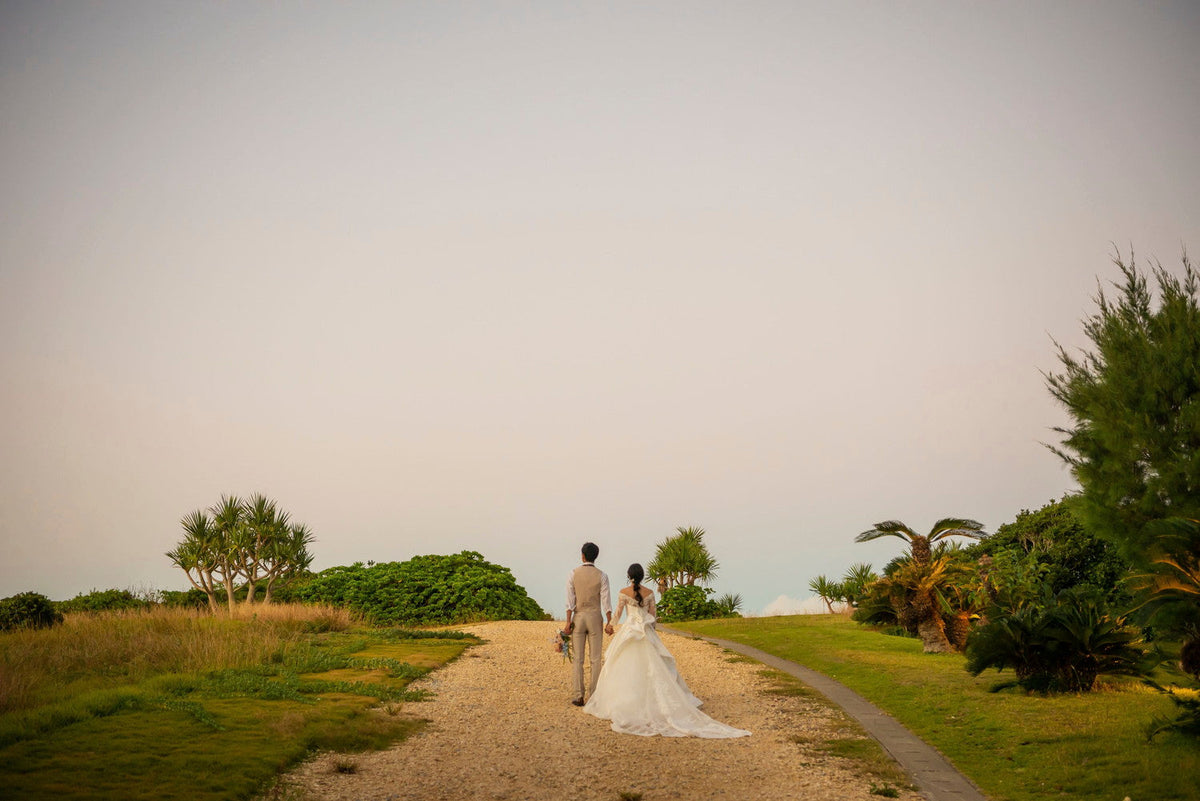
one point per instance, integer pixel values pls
(636, 574)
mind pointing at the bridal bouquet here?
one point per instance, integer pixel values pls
(562, 644)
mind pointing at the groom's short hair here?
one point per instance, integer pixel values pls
(590, 551)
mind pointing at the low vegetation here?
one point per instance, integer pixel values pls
(1015, 746)
(164, 703)
(424, 591)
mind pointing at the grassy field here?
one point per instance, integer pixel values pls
(172, 704)
(1016, 747)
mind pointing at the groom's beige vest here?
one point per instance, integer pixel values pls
(586, 579)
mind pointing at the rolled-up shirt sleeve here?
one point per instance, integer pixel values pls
(605, 595)
(570, 592)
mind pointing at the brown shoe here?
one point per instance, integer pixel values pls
(578, 702)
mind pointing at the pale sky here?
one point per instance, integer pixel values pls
(509, 277)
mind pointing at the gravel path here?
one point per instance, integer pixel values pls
(501, 727)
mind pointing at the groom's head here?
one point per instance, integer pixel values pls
(590, 552)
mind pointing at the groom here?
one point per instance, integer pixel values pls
(587, 596)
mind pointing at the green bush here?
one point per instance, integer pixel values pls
(187, 599)
(103, 601)
(1062, 644)
(688, 602)
(425, 590)
(1064, 552)
(28, 610)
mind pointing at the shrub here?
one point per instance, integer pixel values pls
(103, 601)
(186, 599)
(28, 610)
(425, 590)
(1060, 645)
(688, 602)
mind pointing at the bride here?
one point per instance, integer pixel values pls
(639, 689)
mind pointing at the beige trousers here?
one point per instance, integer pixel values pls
(589, 632)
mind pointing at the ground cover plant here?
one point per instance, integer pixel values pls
(172, 703)
(1015, 745)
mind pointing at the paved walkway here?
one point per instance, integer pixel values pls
(933, 774)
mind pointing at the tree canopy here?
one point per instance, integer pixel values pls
(248, 540)
(1134, 402)
(682, 560)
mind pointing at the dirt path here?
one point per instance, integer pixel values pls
(502, 728)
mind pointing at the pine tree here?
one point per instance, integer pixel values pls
(1134, 402)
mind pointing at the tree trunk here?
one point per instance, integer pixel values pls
(932, 632)
(921, 551)
(229, 593)
(930, 627)
(957, 630)
(205, 585)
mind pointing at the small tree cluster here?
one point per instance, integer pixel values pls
(250, 541)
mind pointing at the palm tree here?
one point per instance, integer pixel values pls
(920, 545)
(682, 559)
(828, 591)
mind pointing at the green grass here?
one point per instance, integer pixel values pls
(1016, 747)
(171, 726)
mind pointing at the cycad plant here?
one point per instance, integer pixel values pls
(1172, 587)
(1062, 644)
(921, 545)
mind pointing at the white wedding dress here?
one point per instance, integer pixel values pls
(640, 690)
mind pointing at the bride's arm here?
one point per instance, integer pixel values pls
(650, 607)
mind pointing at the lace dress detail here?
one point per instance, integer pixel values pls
(640, 689)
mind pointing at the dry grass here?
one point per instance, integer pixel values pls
(136, 643)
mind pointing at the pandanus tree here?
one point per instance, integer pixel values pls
(920, 590)
(828, 591)
(682, 560)
(196, 555)
(250, 541)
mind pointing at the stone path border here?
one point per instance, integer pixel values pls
(935, 777)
